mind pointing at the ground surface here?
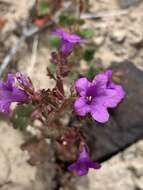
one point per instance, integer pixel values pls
(118, 38)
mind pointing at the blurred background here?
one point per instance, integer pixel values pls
(114, 32)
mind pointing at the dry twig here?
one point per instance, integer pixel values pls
(104, 14)
(34, 55)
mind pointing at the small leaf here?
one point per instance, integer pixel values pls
(67, 20)
(53, 68)
(21, 116)
(87, 33)
(43, 8)
(73, 76)
(89, 54)
(91, 73)
(54, 41)
(81, 21)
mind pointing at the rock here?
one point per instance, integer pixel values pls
(19, 9)
(13, 161)
(47, 169)
(15, 187)
(128, 3)
(99, 40)
(42, 155)
(5, 166)
(118, 36)
(15, 167)
(125, 125)
(135, 35)
(139, 183)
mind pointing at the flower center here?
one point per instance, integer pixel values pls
(89, 99)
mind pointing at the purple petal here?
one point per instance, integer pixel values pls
(80, 169)
(84, 155)
(66, 47)
(94, 165)
(111, 97)
(23, 80)
(81, 107)
(109, 94)
(114, 96)
(83, 163)
(100, 81)
(10, 93)
(101, 78)
(72, 38)
(59, 32)
(82, 85)
(4, 106)
(1, 84)
(18, 95)
(72, 167)
(108, 73)
(99, 112)
(10, 80)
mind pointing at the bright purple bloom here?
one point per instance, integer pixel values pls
(83, 164)
(68, 41)
(97, 96)
(10, 93)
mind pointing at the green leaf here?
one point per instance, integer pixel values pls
(52, 68)
(89, 54)
(21, 116)
(73, 76)
(67, 20)
(43, 8)
(87, 33)
(98, 70)
(81, 21)
(91, 73)
(54, 41)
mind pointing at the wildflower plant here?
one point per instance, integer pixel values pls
(88, 97)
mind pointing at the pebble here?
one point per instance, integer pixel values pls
(128, 3)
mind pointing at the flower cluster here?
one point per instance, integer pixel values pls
(94, 98)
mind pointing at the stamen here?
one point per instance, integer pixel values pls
(89, 98)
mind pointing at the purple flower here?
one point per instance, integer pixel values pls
(68, 41)
(10, 93)
(82, 165)
(97, 96)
